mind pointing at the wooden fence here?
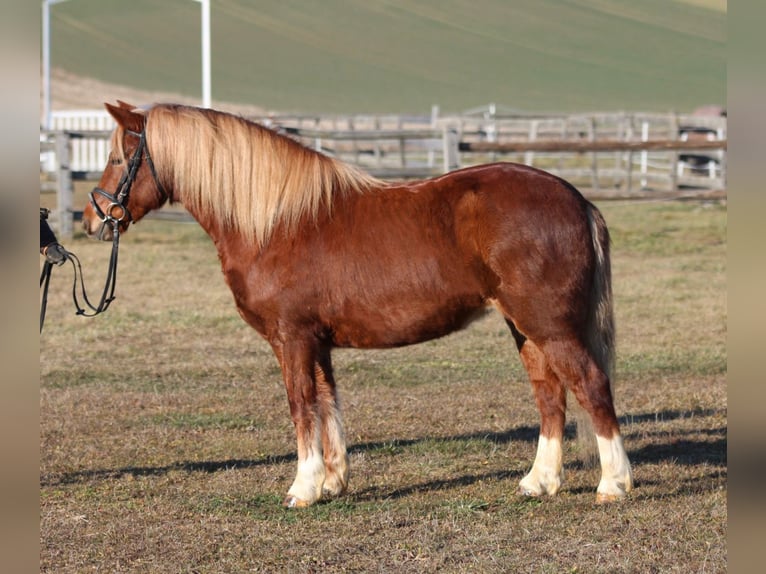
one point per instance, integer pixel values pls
(625, 155)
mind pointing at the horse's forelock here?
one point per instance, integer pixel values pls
(118, 134)
(118, 150)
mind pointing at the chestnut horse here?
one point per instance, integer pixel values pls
(320, 255)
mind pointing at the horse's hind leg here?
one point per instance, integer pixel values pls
(574, 365)
(547, 472)
(333, 439)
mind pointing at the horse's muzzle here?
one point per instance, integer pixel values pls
(95, 227)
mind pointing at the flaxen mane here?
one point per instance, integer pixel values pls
(246, 176)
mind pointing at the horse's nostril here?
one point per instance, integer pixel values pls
(88, 227)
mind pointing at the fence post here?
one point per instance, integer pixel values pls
(593, 156)
(450, 149)
(431, 154)
(402, 153)
(644, 154)
(529, 157)
(674, 164)
(64, 214)
(434, 115)
(629, 134)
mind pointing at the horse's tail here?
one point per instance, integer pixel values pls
(600, 330)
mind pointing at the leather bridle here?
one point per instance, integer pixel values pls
(117, 211)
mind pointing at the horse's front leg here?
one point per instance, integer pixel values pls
(298, 362)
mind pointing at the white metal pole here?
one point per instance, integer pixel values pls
(206, 80)
(46, 48)
(47, 61)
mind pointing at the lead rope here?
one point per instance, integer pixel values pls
(107, 296)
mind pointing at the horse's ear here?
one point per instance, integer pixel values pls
(125, 105)
(126, 117)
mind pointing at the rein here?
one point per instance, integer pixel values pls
(107, 296)
(45, 277)
(114, 214)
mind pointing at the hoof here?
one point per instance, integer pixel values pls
(533, 486)
(523, 491)
(334, 490)
(293, 502)
(614, 491)
(602, 498)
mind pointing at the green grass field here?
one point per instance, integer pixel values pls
(404, 56)
(166, 442)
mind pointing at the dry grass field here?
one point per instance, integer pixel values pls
(166, 443)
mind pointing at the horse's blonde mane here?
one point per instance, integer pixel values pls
(247, 177)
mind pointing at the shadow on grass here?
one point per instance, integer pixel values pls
(376, 493)
(520, 434)
(674, 444)
(678, 449)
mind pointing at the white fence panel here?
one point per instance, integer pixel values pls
(86, 154)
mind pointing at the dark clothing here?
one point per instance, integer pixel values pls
(46, 235)
(49, 245)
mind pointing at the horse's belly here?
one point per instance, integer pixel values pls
(403, 324)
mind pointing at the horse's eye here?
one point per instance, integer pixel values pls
(115, 161)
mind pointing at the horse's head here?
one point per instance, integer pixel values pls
(129, 187)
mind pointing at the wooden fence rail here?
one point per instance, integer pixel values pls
(576, 146)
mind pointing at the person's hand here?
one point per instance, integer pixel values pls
(55, 253)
